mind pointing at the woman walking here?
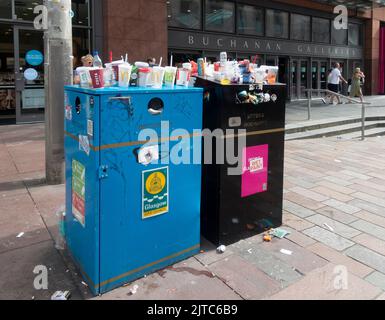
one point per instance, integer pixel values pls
(356, 90)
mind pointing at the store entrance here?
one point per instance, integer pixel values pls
(299, 78)
(319, 72)
(29, 75)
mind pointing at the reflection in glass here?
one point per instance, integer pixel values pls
(354, 34)
(220, 16)
(80, 44)
(300, 27)
(80, 9)
(250, 20)
(5, 9)
(277, 24)
(24, 9)
(321, 30)
(339, 36)
(184, 13)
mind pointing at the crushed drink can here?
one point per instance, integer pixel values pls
(201, 67)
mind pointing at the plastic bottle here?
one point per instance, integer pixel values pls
(97, 61)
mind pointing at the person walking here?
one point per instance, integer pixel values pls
(335, 78)
(356, 90)
(328, 95)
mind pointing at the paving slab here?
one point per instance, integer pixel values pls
(187, 280)
(296, 222)
(367, 257)
(337, 215)
(267, 261)
(377, 279)
(17, 277)
(367, 206)
(301, 259)
(299, 238)
(303, 201)
(327, 237)
(338, 258)
(339, 228)
(323, 284)
(370, 217)
(244, 278)
(369, 228)
(342, 206)
(297, 210)
(371, 243)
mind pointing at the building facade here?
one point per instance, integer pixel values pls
(297, 35)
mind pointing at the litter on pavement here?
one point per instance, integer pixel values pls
(279, 233)
(61, 295)
(221, 249)
(287, 252)
(329, 227)
(20, 235)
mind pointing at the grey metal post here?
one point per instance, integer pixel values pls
(309, 95)
(363, 122)
(58, 72)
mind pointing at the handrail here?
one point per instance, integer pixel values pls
(363, 103)
(337, 94)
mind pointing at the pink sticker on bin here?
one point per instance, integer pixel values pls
(255, 167)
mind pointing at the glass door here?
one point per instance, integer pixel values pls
(299, 78)
(29, 75)
(7, 75)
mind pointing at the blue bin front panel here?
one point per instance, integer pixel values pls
(131, 246)
(83, 235)
(117, 245)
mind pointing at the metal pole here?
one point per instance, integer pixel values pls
(363, 122)
(58, 72)
(309, 95)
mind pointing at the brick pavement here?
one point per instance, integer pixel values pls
(334, 207)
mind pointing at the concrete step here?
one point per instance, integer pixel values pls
(336, 130)
(375, 132)
(324, 123)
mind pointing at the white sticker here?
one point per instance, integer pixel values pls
(235, 122)
(68, 113)
(90, 128)
(30, 74)
(84, 144)
(148, 154)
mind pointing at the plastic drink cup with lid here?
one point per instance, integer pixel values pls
(169, 76)
(97, 77)
(124, 75)
(144, 77)
(157, 76)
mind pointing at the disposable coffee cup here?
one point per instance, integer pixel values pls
(169, 76)
(157, 76)
(85, 78)
(97, 77)
(183, 77)
(124, 75)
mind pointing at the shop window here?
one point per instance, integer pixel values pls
(277, 24)
(354, 34)
(80, 9)
(339, 36)
(80, 44)
(184, 13)
(24, 9)
(300, 27)
(5, 9)
(250, 20)
(220, 16)
(321, 30)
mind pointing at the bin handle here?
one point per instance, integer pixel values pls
(121, 99)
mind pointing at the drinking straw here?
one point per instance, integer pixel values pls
(160, 61)
(110, 56)
(126, 60)
(171, 60)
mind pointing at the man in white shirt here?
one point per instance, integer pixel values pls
(334, 80)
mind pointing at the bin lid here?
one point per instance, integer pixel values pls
(131, 90)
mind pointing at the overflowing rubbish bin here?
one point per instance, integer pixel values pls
(249, 201)
(130, 210)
